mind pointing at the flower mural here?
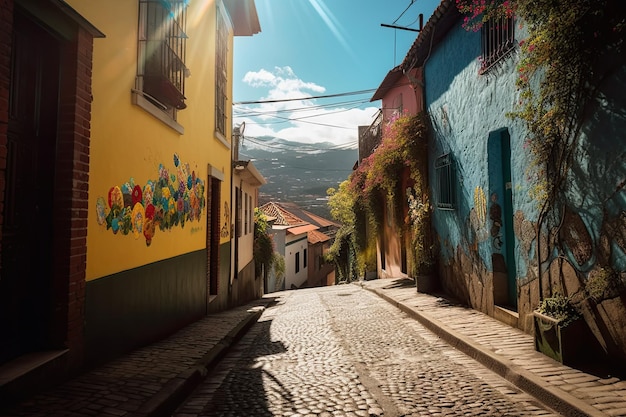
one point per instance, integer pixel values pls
(167, 202)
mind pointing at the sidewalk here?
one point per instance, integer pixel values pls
(150, 381)
(507, 351)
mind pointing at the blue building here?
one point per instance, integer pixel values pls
(497, 251)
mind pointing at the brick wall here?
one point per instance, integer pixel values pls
(72, 188)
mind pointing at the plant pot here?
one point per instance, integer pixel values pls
(426, 283)
(566, 344)
(370, 275)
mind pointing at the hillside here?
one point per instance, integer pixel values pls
(299, 173)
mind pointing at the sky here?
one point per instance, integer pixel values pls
(312, 48)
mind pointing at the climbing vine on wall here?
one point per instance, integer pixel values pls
(571, 48)
(377, 179)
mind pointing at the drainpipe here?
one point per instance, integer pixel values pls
(234, 156)
(237, 135)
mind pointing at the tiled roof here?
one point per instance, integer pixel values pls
(316, 236)
(304, 215)
(296, 230)
(283, 217)
(442, 19)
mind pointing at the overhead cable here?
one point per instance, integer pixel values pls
(351, 93)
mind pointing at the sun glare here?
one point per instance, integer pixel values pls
(330, 21)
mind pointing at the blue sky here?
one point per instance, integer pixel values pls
(311, 48)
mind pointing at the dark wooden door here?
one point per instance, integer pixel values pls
(27, 230)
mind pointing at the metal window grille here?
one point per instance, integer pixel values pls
(445, 182)
(220, 74)
(162, 49)
(497, 41)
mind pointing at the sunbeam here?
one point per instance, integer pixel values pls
(332, 23)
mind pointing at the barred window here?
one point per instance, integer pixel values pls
(445, 182)
(497, 41)
(162, 48)
(221, 57)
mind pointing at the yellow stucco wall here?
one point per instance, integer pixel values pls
(127, 142)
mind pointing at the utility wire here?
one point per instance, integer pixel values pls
(351, 93)
(407, 8)
(252, 112)
(301, 119)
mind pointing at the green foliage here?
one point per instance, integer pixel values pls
(263, 249)
(341, 202)
(560, 308)
(419, 221)
(603, 283)
(562, 63)
(278, 262)
(362, 199)
(377, 179)
(572, 47)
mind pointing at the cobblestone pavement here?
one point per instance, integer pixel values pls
(342, 351)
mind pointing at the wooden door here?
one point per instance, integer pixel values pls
(27, 230)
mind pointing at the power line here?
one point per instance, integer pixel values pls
(251, 112)
(301, 119)
(351, 93)
(401, 14)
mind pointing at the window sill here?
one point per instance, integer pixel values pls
(139, 100)
(222, 139)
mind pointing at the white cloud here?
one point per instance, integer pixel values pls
(301, 120)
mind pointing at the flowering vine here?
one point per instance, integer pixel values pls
(376, 183)
(402, 148)
(571, 48)
(477, 12)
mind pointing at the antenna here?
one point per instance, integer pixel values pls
(421, 16)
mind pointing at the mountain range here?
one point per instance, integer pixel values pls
(298, 173)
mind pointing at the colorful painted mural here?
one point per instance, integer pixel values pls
(167, 202)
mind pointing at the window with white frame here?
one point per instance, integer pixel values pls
(161, 69)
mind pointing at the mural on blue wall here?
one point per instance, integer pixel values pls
(166, 202)
(495, 215)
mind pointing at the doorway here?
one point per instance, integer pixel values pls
(501, 219)
(26, 274)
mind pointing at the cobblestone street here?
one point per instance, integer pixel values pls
(341, 351)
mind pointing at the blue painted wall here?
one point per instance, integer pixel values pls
(466, 110)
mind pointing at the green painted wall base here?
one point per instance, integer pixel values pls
(142, 305)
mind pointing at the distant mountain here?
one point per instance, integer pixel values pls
(299, 173)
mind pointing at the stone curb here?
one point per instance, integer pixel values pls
(555, 398)
(165, 401)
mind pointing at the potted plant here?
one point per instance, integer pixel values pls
(560, 329)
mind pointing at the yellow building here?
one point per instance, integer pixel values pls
(128, 205)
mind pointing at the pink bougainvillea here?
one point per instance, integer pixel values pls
(477, 12)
